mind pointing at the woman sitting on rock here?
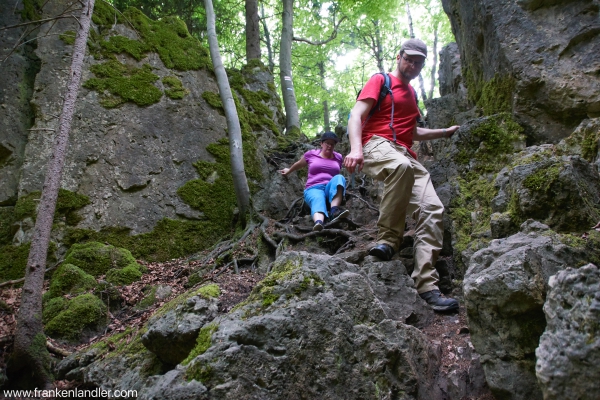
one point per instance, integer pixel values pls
(324, 185)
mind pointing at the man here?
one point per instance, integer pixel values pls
(382, 148)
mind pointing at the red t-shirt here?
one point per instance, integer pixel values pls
(405, 112)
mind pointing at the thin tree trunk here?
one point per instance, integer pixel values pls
(379, 47)
(252, 31)
(434, 66)
(30, 357)
(240, 183)
(412, 35)
(326, 122)
(267, 39)
(285, 67)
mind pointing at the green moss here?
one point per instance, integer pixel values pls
(491, 144)
(32, 10)
(206, 291)
(69, 279)
(496, 95)
(13, 260)
(119, 83)
(209, 291)
(97, 258)
(542, 179)
(213, 100)
(176, 90)
(200, 371)
(124, 276)
(7, 219)
(85, 311)
(168, 37)
(475, 197)
(53, 307)
(149, 299)
(68, 37)
(67, 203)
(121, 44)
(589, 144)
(203, 342)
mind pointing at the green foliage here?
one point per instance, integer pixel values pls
(124, 83)
(69, 279)
(176, 90)
(85, 311)
(68, 37)
(203, 342)
(149, 299)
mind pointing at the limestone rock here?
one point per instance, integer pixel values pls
(172, 335)
(516, 57)
(505, 289)
(568, 357)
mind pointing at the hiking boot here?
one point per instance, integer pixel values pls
(339, 213)
(318, 226)
(438, 302)
(382, 251)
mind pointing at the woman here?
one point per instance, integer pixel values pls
(324, 184)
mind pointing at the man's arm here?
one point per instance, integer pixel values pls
(359, 113)
(428, 134)
(301, 163)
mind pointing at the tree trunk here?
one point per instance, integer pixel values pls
(285, 67)
(240, 183)
(433, 67)
(267, 39)
(412, 35)
(252, 31)
(30, 358)
(379, 47)
(326, 122)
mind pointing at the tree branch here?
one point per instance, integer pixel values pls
(333, 36)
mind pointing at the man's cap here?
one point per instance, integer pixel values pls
(329, 136)
(414, 47)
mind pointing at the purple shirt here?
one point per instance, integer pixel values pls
(321, 170)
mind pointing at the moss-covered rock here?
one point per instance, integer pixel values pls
(98, 259)
(175, 90)
(13, 260)
(69, 279)
(67, 204)
(83, 312)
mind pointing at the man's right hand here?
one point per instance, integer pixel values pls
(353, 161)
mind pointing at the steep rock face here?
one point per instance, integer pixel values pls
(505, 289)
(16, 87)
(568, 357)
(131, 159)
(538, 59)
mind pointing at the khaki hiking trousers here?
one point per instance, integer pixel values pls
(407, 189)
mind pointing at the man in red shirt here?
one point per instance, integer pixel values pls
(385, 154)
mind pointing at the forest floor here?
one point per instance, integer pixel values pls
(448, 331)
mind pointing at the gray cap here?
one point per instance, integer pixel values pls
(414, 47)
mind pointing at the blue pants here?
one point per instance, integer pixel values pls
(319, 196)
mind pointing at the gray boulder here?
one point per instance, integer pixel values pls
(568, 357)
(505, 289)
(172, 334)
(517, 57)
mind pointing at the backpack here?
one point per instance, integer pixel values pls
(386, 89)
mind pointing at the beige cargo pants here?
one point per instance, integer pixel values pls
(407, 189)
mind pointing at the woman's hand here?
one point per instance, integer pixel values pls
(284, 171)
